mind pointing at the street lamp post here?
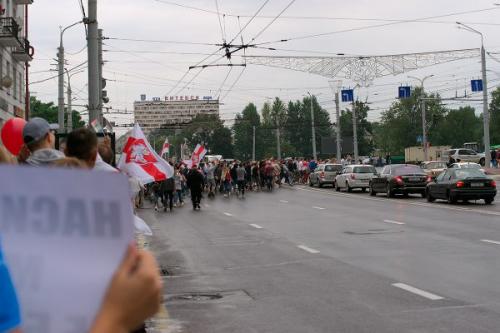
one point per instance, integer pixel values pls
(313, 129)
(424, 118)
(69, 110)
(486, 115)
(60, 72)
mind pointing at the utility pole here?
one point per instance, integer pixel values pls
(424, 128)
(278, 141)
(101, 82)
(486, 113)
(69, 110)
(253, 145)
(355, 131)
(313, 129)
(60, 73)
(424, 116)
(93, 62)
(337, 114)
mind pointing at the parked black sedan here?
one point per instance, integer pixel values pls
(462, 184)
(400, 179)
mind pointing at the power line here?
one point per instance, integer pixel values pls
(272, 21)
(249, 21)
(378, 25)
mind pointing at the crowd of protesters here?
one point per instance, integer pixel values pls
(134, 293)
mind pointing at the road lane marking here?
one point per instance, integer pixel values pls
(401, 202)
(416, 291)
(394, 222)
(228, 214)
(490, 241)
(308, 249)
(256, 226)
(319, 208)
(283, 201)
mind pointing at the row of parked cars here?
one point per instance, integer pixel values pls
(432, 180)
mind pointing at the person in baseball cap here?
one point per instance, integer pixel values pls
(40, 140)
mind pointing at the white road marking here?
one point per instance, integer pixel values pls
(400, 202)
(320, 208)
(228, 214)
(490, 241)
(308, 249)
(417, 291)
(283, 201)
(256, 226)
(394, 222)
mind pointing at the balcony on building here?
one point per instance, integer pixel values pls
(9, 32)
(23, 51)
(23, 2)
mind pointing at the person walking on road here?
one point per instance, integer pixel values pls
(241, 176)
(195, 182)
(167, 188)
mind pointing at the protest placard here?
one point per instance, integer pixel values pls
(63, 233)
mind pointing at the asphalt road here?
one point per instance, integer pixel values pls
(313, 260)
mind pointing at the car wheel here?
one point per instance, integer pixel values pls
(389, 192)
(349, 188)
(372, 192)
(430, 198)
(310, 182)
(488, 201)
(451, 199)
(337, 188)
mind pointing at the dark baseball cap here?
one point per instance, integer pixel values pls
(36, 129)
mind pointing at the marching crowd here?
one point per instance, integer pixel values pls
(226, 178)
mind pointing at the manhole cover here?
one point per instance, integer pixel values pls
(195, 297)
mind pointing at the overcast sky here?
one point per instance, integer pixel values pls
(133, 68)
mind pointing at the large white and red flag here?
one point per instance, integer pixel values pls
(141, 161)
(166, 147)
(198, 153)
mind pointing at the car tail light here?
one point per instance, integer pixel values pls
(322, 174)
(460, 184)
(429, 179)
(353, 176)
(493, 184)
(399, 179)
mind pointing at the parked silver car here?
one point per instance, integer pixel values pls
(463, 155)
(355, 176)
(324, 174)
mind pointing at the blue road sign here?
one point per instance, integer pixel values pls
(476, 85)
(347, 95)
(420, 138)
(404, 92)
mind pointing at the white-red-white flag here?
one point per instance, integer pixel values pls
(198, 153)
(166, 147)
(141, 161)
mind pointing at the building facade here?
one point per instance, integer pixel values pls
(172, 111)
(15, 53)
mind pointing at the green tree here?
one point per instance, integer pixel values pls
(401, 125)
(364, 127)
(49, 112)
(209, 130)
(243, 133)
(457, 127)
(495, 117)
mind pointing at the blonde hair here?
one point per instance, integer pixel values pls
(6, 157)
